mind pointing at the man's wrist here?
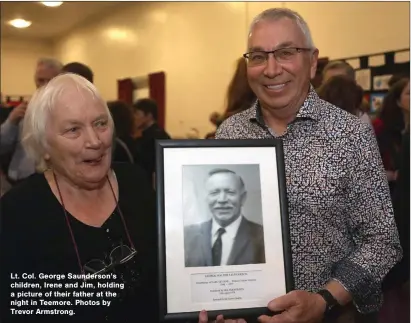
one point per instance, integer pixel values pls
(339, 292)
(329, 301)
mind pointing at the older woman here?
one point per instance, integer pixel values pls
(79, 220)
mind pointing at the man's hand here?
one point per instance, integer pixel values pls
(203, 318)
(18, 113)
(296, 307)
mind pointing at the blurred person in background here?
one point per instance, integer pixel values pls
(239, 96)
(145, 120)
(336, 68)
(396, 306)
(5, 109)
(215, 119)
(20, 165)
(79, 69)
(390, 126)
(125, 146)
(46, 69)
(4, 114)
(343, 92)
(396, 77)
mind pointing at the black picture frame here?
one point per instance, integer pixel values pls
(161, 146)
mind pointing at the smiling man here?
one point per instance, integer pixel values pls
(228, 238)
(343, 235)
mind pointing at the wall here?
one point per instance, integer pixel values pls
(346, 29)
(18, 60)
(197, 43)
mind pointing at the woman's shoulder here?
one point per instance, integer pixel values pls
(132, 177)
(137, 196)
(128, 171)
(25, 204)
(25, 192)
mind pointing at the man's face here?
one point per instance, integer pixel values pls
(333, 72)
(43, 75)
(276, 85)
(404, 102)
(225, 197)
(141, 119)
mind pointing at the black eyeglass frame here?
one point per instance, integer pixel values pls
(113, 263)
(267, 53)
(131, 247)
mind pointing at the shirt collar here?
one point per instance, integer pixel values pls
(310, 108)
(231, 229)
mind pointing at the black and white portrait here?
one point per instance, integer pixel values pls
(223, 222)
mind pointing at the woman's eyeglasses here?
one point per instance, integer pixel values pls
(119, 255)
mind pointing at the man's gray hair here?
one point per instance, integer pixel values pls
(334, 65)
(275, 14)
(41, 105)
(50, 63)
(227, 171)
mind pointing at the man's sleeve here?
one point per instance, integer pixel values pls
(222, 132)
(8, 136)
(371, 222)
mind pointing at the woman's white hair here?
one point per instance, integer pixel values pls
(275, 14)
(42, 104)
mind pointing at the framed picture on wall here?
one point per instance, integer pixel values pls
(376, 101)
(224, 241)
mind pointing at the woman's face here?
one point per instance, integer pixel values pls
(79, 138)
(404, 102)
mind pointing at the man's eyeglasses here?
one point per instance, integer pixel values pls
(119, 255)
(281, 55)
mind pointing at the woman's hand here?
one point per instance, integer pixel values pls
(296, 307)
(203, 318)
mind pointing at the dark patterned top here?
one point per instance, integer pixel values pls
(341, 218)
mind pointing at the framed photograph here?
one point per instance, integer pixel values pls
(380, 82)
(223, 227)
(376, 101)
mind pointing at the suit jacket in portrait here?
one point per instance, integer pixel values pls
(248, 245)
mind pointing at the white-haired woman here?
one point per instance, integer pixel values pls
(78, 215)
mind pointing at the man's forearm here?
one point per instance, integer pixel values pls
(8, 136)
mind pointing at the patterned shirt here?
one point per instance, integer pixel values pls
(340, 213)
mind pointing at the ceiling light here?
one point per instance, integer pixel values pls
(52, 3)
(20, 23)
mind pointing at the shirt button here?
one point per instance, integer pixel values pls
(107, 230)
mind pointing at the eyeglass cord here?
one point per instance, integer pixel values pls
(69, 225)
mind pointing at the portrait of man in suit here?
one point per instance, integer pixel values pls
(228, 238)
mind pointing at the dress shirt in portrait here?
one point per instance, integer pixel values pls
(227, 238)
